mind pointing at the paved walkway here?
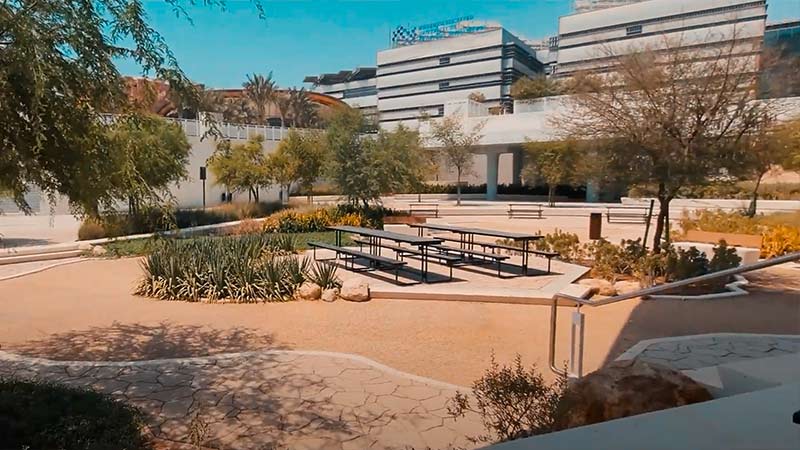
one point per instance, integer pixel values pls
(272, 399)
(695, 352)
(8, 271)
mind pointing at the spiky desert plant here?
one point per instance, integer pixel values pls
(323, 274)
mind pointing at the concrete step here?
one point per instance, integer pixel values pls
(15, 259)
(749, 375)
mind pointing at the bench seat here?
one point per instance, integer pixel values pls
(375, 261)
(448, 260)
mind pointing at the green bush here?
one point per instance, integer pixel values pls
(246, 268)
(156, 219)
(38, 415)
(295, 221)
(780, 232)
(742, 190)
(513, 402)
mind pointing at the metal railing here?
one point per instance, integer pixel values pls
(578, 320)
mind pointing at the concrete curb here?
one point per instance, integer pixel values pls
(13, 357)
(43, 268)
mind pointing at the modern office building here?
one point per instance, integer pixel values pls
(781, 60)
(358, 87)
(586, 40)
(417, 80)
(580, 6)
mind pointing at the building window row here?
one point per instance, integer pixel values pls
(682, 16)
(360, 92)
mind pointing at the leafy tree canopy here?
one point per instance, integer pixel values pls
(57, 78)
(456, 145)
(241, 167)
(555, 162)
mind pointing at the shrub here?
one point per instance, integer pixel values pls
(38, 415)
(724, 258)
(323, 275)
(780, 232)
(247, 268)
(91, 229)
(687, 263)
(567, 245)
(293, 221)
(152, 220)
(512, 401)
(610, 261)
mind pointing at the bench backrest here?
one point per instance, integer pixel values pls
(737, 240)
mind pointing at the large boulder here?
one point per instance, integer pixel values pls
(627, 388)
(354, 290)
(99, 250)
(627, 286)
(309, 291)
(599, 287)
(330, 295)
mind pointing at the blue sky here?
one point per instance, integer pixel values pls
(300, 38)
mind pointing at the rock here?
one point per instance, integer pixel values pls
(85, 246)
(99, 250)
(626, 287)
(330, 295)
(627, 388)
(354, 290)
(309, 291)
(599, 287)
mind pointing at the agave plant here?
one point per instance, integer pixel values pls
(323, 274)
(244, 268)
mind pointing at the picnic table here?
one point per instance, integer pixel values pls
(467, 238)
(374, 238)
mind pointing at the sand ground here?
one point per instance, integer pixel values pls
(86, 311)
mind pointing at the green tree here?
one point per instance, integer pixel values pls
(57, 77)
(457, 145)
(283, 169)
(536, 87)
(769, 146)
(308, 153)
(365, 166)
(153, 155)
(555, 162)
(241, 167)
(260, 91)
(673, 121)
(304, 113)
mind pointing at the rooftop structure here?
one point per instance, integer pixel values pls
(356, 87)
(580, 6)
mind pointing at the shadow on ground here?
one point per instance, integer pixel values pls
(22, 242)
(130, 342)
(772, 307)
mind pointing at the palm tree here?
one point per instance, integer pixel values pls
(260, 90)
(284, 103)
(239, 111)
(305, 112)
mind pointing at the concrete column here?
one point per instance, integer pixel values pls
(516, 167)
(592, 194)
(492, 161)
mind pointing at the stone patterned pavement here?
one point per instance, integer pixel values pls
(272, 399)
(713, 350)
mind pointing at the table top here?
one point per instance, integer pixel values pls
(397, 237)
(478, 231)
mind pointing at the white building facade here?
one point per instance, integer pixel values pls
(417, 80)
(588, 41)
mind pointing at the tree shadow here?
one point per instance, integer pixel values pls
(772, 307)
(135, 341)
(9, 243)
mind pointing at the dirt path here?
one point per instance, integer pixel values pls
(87, 312)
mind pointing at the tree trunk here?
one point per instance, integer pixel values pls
(551, 192)
(751, 210)
(458, 188)
(662, 222)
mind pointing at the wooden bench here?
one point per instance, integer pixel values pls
(400, 251)
(525, 210)
(485, 245)
(423, 209)
(627, 214)
(472, 255)
(375, 261)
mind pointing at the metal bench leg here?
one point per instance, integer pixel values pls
(549, 260)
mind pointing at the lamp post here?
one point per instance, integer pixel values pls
(203, 179)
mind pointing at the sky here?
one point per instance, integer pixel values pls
(305, 37)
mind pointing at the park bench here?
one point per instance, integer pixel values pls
(376, 262)
(400, 251)
(485, 245)
(472, 255)
(525, 210)
(627, 214)
(423, 209)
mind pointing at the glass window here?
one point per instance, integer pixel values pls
(444, 85)
(444, 60)
(634, 29)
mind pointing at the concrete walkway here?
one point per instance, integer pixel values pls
(272, 399)
(696, 352)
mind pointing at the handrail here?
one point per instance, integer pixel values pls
(644, 293)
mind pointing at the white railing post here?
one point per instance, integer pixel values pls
(576, 344)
